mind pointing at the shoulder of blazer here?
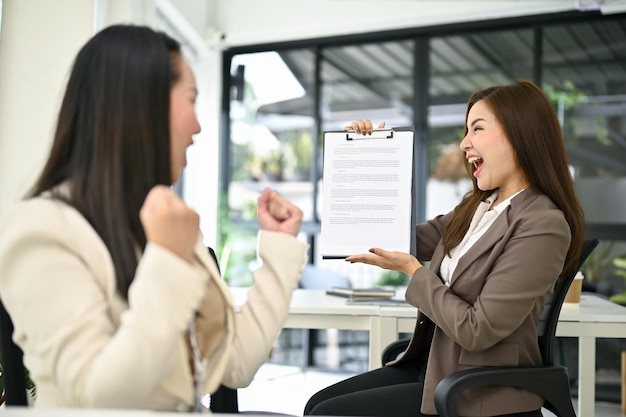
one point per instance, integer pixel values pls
(48, 219)
(532, 198)
(533, 210)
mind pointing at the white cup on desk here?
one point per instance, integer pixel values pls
(573, 294)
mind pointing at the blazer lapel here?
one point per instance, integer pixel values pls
(437, 258)
(494, 233)
(482, 245)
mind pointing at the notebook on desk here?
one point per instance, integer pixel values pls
(362, 294)
(379, 302)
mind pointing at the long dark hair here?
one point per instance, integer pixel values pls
(531, 125)
(111, 144)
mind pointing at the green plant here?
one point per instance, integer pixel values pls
(236, 245)
(301, 145)
(273, 166)
(597, 262)
(569, 97)
(566, 97)
(620, 264)
(393, 279)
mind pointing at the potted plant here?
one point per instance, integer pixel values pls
(620, 265)
(301, 155)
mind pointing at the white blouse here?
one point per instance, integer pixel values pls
(482, 220)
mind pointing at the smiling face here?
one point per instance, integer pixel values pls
(183, 121)
(489, 150)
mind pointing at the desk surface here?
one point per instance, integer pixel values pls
(316, 302)
(591, 308)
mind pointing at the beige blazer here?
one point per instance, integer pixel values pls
(86, 347)
(488, 315)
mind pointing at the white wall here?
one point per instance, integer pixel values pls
(250, 22)
(39, 41)
(201, 175)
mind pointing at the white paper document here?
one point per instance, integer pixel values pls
(367, 199)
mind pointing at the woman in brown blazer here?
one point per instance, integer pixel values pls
(493, 260)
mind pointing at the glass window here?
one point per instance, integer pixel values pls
(367, 81)
(271, 131)
(584, 69)
(460, 65)
(584, 73)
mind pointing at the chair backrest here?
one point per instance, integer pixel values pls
(13, 371)
(224, 399)
(546, 328)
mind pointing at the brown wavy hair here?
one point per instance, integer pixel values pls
(531, 126)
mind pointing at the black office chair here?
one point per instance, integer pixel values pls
(13, 371)
(549, 380)
(224, 399)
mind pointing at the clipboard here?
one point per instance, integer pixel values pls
(368, 189)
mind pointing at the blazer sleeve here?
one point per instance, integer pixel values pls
(51, 283)
(261, 318)
(428, 235)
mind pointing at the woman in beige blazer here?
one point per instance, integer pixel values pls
(115, 300)
(493, 260)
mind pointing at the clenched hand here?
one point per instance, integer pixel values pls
(169, 222)
(277, 214)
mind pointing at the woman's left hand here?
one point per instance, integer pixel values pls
(396, 261)
(277, 214)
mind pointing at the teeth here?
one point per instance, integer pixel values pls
(473, 159)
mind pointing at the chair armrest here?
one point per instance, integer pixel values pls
(550, 382)
(224, 400)
(394, 350)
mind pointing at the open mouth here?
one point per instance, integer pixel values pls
(477, 162)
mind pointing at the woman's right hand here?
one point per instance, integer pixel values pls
(363, 126)
(168, 222)
(277, 214)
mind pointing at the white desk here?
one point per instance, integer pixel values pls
(595, 317)
(314, 309)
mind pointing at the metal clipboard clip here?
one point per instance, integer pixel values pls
(380, 133)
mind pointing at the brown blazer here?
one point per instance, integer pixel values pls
(488, 316)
